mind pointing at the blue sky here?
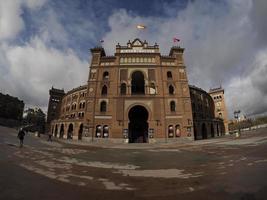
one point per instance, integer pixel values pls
(45, 43)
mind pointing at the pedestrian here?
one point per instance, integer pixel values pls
(49, 137)
(21, 135)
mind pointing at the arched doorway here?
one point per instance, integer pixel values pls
(70, 131)
(212, 130)
(218, 130)
(138, 83)
(55, 132)
(61, 133)
(80, 134)
(138, 126)
(195, 132)
(204, 131)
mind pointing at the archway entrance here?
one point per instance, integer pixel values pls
(55, 133)
(80, 132)
(70, 132)
(204, 131)
(195, 132)
(212, 130)
(138, 83)
(138, 126)
(61, 133)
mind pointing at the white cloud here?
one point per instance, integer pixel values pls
(225, 43)
(34, 68)
(11, 22)
(220, 44)
(249, 93)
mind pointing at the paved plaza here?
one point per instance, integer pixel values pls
(220, 168)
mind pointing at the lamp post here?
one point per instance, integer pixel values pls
(236, 115)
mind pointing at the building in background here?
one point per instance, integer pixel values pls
(206, 124)
(136, 95)
(54, 104)
(217, 95)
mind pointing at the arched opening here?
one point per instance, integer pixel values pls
(105, 131)
(123, 89)
(171, 89)
(169, 75)
(138, 83)
(61, 133)
(98, 131)
(138, 126)
(104, 90)
(172, 106)
(80, 134)
(204, 131)
(177, 131)
(70, 132)
(195, 132)
(105, 75)
(170, 131)
(103, 106)
(55, 132)
(212, 130)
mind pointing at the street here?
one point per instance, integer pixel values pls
(220, 168)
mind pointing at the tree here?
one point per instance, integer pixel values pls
(34, 119)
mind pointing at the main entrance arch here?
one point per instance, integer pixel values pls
(138, 126)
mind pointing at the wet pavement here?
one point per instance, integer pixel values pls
(221, 168)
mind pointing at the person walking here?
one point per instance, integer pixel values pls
(21, 135)
(49, 137)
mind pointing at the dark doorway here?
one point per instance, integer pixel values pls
(70, 131)
(55, 133)
(138, 126)
(218, 131)
(61, 133)
(212, 130)
(195, 132)
(204, 131)
(80, 132)
(138, 83)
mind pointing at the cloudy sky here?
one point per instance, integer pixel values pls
(45, 43)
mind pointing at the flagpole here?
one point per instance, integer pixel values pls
(141, 28)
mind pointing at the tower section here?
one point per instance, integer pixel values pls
(220, 110)
(53, 111)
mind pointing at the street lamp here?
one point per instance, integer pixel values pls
(236, 115)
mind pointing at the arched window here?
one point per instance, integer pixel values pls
(98, 131)
(138, 83)
(170, 131)
(123, 89)
(169, 74)
(172, 106)
(105, 131)
(104, 90)
(103, 106)
(105, 75)
(171, 89)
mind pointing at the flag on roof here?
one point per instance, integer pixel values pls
(176, 40)
(141, 26)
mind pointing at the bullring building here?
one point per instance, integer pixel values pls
(135, 96)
